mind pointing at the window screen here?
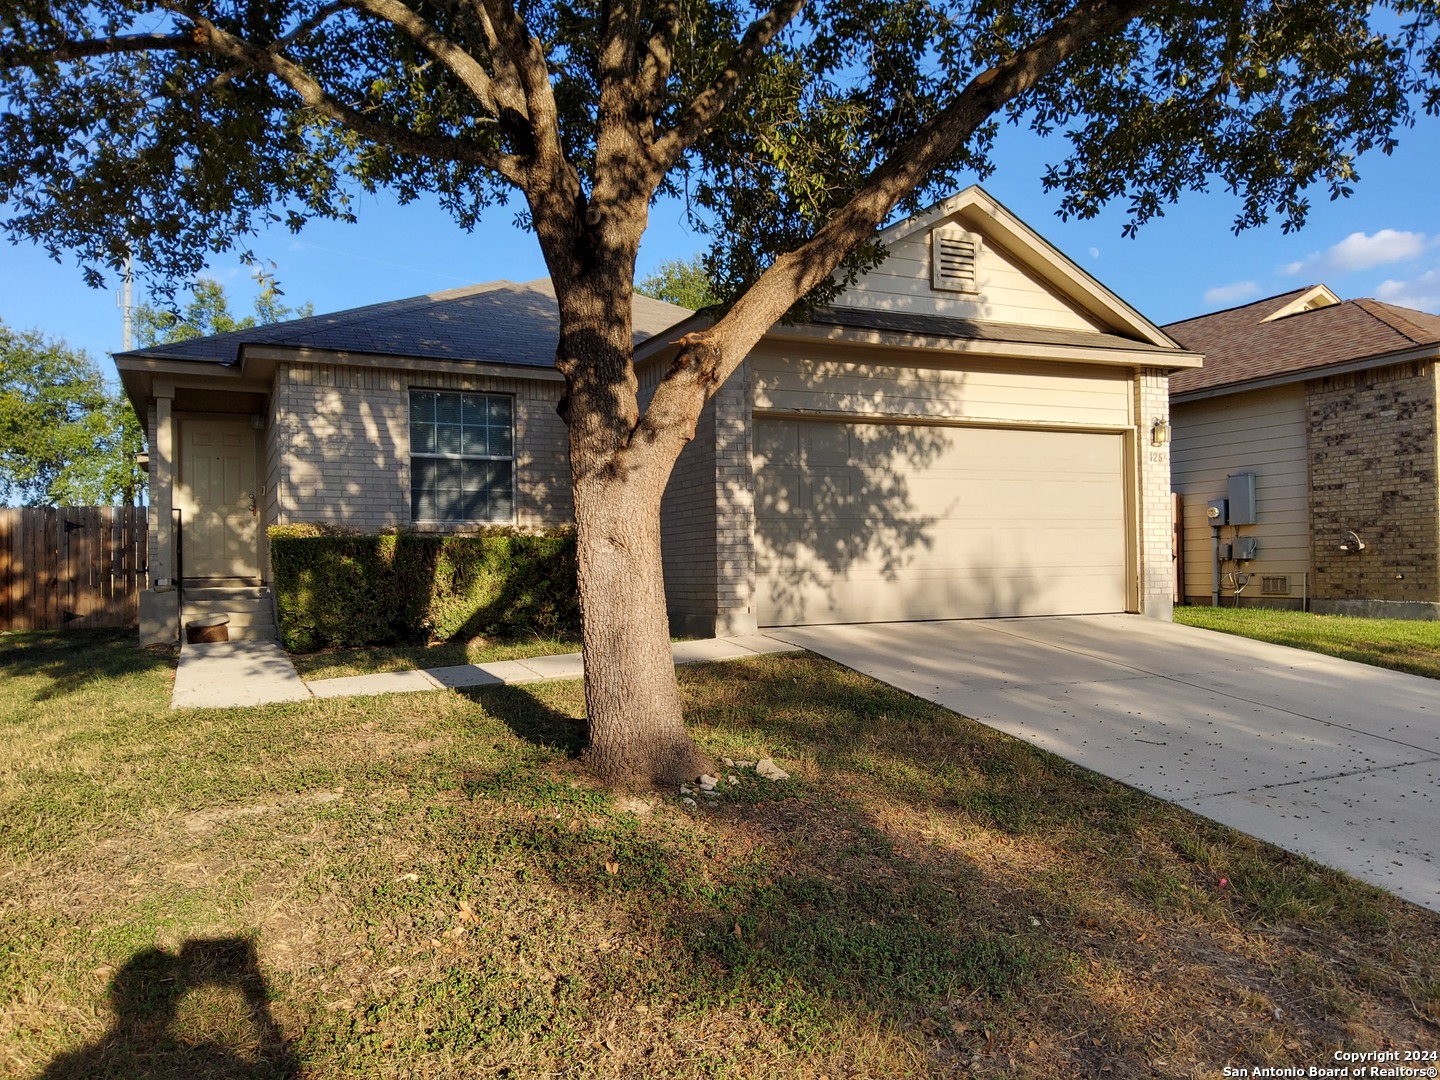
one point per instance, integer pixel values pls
(462, 456)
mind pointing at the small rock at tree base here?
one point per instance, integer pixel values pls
(767, 768)
(708, 782)
(727, 762)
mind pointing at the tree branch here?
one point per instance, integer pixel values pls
(460, 63)
(550, 183)
(88, 48)
(617, 42)
(509, 93)
(315, 97)
(659, 55)
(708, 357)
(703, 111)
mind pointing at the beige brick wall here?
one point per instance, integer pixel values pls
(735, 505)
(1373, 469)
(707, 517)
(341, 439)
(1154, 509)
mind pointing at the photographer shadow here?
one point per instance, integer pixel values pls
(200, 1013)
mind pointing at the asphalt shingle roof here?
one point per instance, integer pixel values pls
(499, 322)
(942, 326)
(1240, 347)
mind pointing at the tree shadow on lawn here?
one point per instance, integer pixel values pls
(74, 660)
(923, 881)
(154, 1036)
(530, 718)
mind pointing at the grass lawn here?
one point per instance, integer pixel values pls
(334, 663)
(1402, 644)
(425, 885)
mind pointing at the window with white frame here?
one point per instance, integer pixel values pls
(462, 457)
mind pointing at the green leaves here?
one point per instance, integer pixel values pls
(1271, 100)
(170, 132)
(65, 438)
(208, 312)
(681, 281)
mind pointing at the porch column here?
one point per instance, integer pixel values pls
(159, 610)
(162, 488)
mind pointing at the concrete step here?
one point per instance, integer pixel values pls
(249, 609)
(226, 592)
(253, 633)
(231, 606)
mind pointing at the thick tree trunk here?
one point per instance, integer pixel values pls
(637, 735)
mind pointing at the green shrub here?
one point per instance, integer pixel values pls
(335, 588)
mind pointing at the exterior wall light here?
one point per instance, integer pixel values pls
(1159, 432)
(1351, 542)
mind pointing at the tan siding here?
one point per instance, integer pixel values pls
(891, 385)
(1007, 293)
(1263, 432)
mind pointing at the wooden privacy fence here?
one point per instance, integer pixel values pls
(72, 567)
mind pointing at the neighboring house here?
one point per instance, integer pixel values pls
(1330, 406)
(966, 431)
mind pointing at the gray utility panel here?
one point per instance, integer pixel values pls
(1242, 498)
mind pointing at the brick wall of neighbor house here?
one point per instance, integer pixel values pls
(1157, 567)
(343, 435)
(1373, 469)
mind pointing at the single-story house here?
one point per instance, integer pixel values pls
(974, 428)
(1314, 420)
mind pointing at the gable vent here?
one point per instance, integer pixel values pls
(954, 255)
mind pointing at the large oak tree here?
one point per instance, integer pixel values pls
(165, 128)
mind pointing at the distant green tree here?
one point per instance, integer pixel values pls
(681, 281)
(66, 439)
(208, 312)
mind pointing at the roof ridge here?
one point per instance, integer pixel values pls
(1241, 307)
(1394, 317)
(349, 316)
(268, 333)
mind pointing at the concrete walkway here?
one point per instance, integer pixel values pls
(230, 673)
(1331, 759)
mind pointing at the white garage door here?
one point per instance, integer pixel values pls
(889, 522)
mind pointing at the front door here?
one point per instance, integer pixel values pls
(217, 497)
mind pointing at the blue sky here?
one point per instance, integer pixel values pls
(1383, 242)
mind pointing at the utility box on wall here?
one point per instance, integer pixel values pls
(1242, 498)
(1215, 513)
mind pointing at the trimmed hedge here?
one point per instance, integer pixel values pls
(334, 588)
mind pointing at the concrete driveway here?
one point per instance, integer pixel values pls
(1335, 760)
